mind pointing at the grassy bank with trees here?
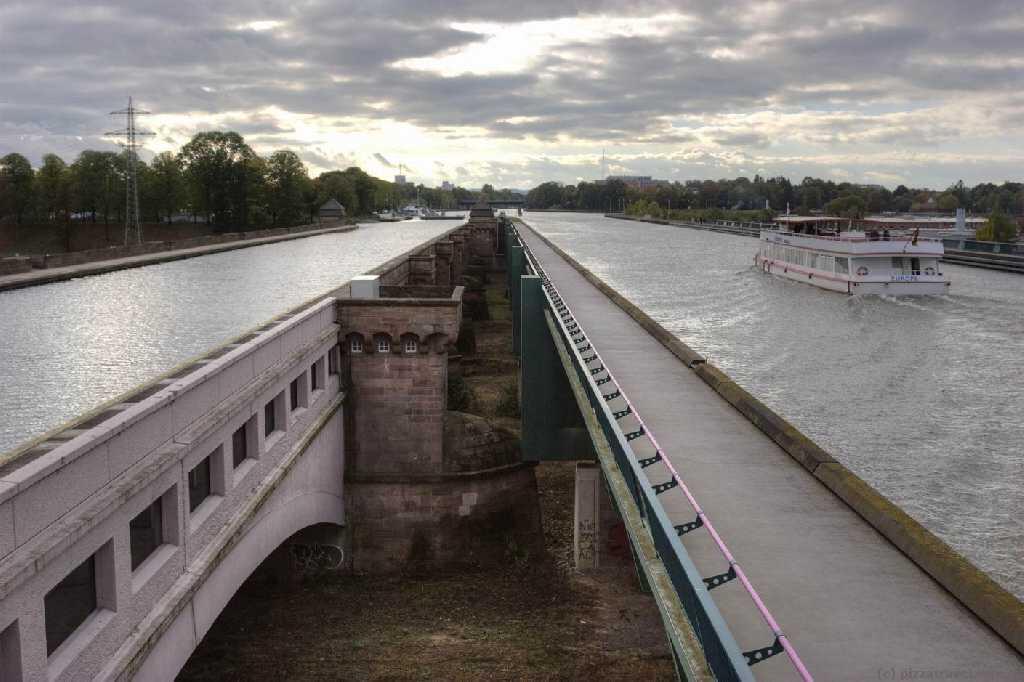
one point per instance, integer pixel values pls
(216, 180)
(761, 198)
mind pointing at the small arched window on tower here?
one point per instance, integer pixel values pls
(410, 345)
(356, 344)
(383, 344)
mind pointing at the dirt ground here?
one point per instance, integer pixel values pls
(535, 620)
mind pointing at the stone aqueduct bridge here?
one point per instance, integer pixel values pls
(323, 437)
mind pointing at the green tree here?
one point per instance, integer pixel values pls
(337, 185)
(18, 186)
(287, 179)
(224, 177)
(947, 201)
(168, 184)
(93, 183)
(545, 195)
(53, 189)
(849, 206)
(998, 228)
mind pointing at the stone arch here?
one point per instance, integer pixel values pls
(292, 507)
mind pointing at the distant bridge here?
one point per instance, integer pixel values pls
(497, 203)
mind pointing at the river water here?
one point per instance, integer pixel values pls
(922, 397)
(69, 346)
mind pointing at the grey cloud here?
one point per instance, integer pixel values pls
(62, 69)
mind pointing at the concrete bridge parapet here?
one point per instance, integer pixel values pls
(113, 538)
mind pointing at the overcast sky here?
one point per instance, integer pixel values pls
(922, 92)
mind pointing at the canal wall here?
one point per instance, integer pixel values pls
(988, 600)
(988, 255)
(26, 271)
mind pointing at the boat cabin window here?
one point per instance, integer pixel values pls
(842, 265)
(906, 264)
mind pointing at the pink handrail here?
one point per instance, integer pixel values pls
(740, 574)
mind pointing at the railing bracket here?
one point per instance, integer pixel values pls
(667, 485)
(757, 655)
(602, 381)
(622, 413)
(597, 370)
(720, 579)
(612, 396)
(633, 435)
(644, 463)
(684, 528)
(590, 359)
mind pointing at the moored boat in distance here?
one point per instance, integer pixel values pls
(856, 262)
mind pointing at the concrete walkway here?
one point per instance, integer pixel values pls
(48, 275)
(852, 604)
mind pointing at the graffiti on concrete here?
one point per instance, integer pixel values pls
(316, 559)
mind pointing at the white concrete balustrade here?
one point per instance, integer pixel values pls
(123, 538)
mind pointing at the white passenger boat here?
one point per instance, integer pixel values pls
(856, 262)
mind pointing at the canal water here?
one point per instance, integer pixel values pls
(922, 397)
(69, 346)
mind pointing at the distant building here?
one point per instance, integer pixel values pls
(447, 186)
(400, 180)
(331, 210)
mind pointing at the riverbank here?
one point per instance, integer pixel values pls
(974, 259)
(534, 617)
(161, 252)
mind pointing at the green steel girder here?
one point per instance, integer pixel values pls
(553, 428)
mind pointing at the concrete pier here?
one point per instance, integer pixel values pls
(587, 515)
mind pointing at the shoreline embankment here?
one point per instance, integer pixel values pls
(31, 271)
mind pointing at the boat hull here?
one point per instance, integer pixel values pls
(853, 286)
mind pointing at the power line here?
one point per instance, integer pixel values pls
(132, 224)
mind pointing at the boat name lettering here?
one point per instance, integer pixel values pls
(904, 278)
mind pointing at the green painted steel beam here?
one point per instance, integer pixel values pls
(516, 269)
(552, 423)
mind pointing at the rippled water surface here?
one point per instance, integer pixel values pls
(66, 347)
(922, 397)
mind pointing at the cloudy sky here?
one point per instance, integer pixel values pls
(923, 92)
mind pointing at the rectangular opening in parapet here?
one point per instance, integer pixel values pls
(243, 443)
(274, 420)
(10, 653)
(153, 534)
(86, 592)
(298, 393)
(154, 527)
(199, 484)
(316, 375)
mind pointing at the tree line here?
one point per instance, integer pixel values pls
(775, 194)
(216, 178)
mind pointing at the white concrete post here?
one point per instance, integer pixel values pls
(586, 516)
